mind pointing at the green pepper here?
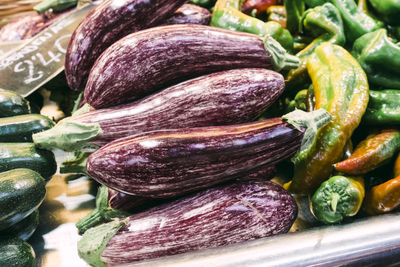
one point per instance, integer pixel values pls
(383, 108)
(337, 198)
(314, 3)
(326, 23)
(371, 153)
(55, 5)
(294, 12)
(356, 22)
(340, 87)
(388, 10)
(379, 57)
(227, 14)
(299, 101)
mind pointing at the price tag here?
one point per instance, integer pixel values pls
(31, 65)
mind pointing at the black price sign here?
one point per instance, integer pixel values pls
(30, 66)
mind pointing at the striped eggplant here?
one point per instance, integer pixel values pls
(222, 98)
(111, 204)
(189, 14)
(152, 59)
(104, 25)
(216, 217)
(167, 163)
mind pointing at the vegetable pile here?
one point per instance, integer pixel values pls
(186, 111)
(24, 171)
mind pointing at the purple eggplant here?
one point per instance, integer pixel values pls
(223, 98)
(106, 24)
(189, 14)
(152, 59)
(111, 204)
(168, 163)
(216, 217)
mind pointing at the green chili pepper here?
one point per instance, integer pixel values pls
(55, 5)
(314, 3)
(388, 10)
(371, 153)
(299, 101)
(326, 23)
(340, 87)
(337, 198)
(294, 13)
(383, 108)
(227, 14)
(356, 22)
(379, 57)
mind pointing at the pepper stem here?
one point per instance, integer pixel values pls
(334, 201)
(280, 58)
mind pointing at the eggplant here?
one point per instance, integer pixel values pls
(152, 59)
(104, 25)
(222, 98)
(216, 217)
(111, 204)
(189, 14)
(169, 163)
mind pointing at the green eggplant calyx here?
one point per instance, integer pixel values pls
(280, 58)
(101, 214)
(312, 122)
(94, 241)
(68, 135)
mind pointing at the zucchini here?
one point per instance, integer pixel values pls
(15, 252)
(26, 155)
(21, 192)
(23, 229)
(20, 128)
(13, 104)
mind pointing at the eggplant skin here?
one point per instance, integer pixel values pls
(189, 14)
(107, 23)
(153, 59)
(215, 217)
(222, 98)
(168, 163)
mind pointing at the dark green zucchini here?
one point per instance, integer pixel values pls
(15, 252)
(26, 155)
(20, 128)
(13, 104)
(21, 192)
(23, 229)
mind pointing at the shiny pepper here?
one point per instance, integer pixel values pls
(340, 87)
(388, 10)
(326, 24)
(337, 198)
(227, 14)
(371, 153)
(379, 56)
(384, 197)
(383, 108)
(356, 22)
